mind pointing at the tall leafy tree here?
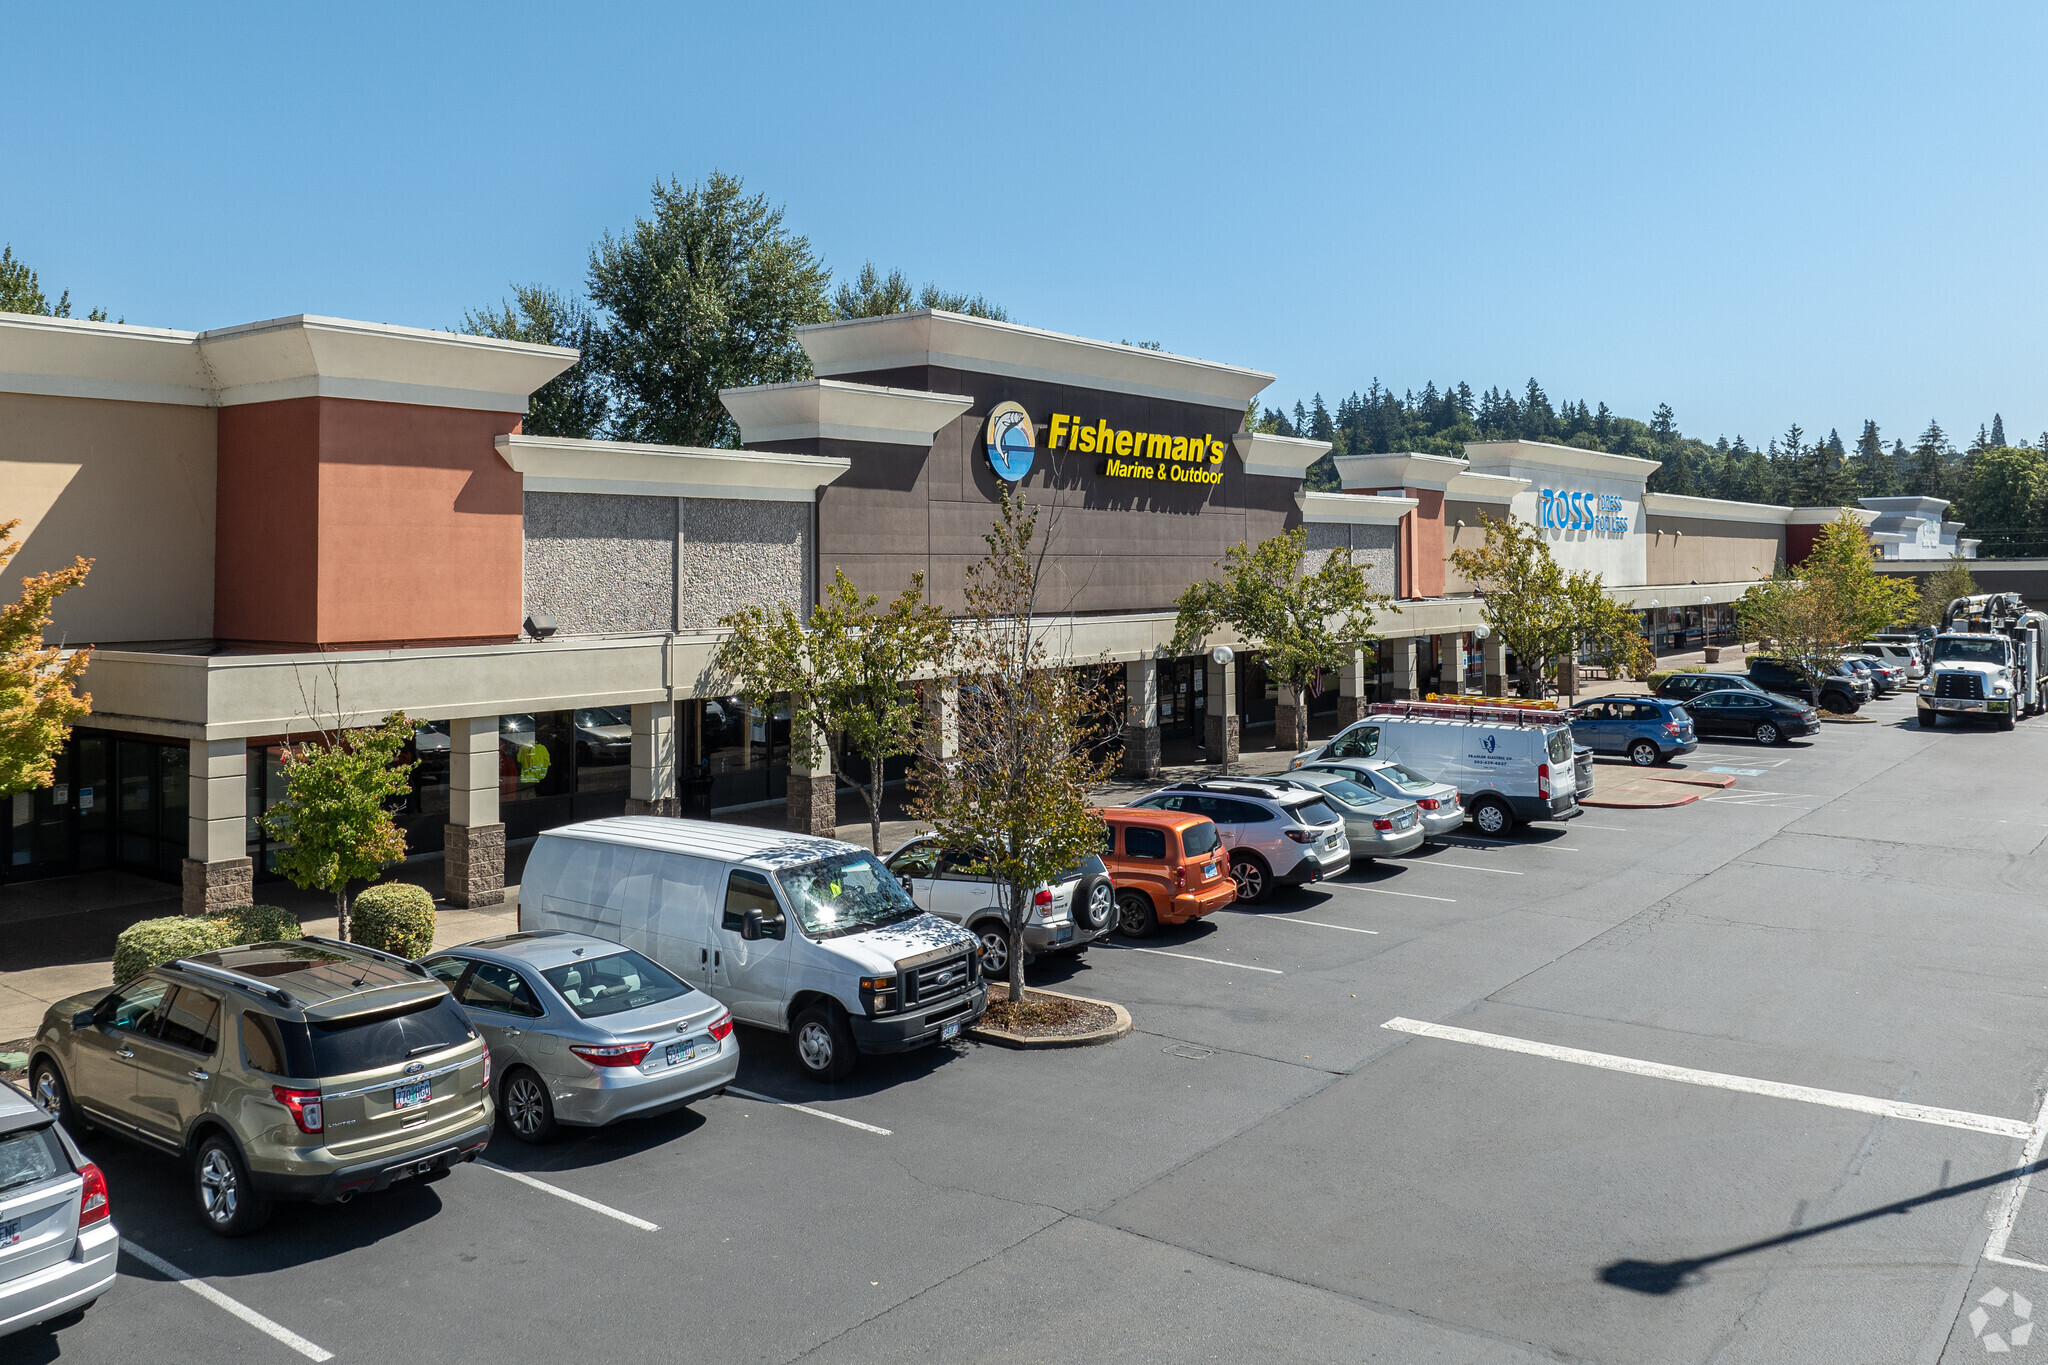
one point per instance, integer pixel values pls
(1876, 470)
(1944, 585)
(573, 403)
(1928, 477)
(1301, 621)
(846, 674)
(39, 697)
(1866, 600)
(1540, 612)
(704, 293)
(334, 821)
(2007, 489)
(871, 294)
(1997, 429)
(22, 292)
(1016, 794)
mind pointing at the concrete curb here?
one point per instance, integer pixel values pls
(1835, 718)
(1685, 777)
(1119, 1028)
(1648, 801)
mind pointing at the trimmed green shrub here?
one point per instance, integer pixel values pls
(143, 945)
(260, 924)
(397, 917)
(1656, 679)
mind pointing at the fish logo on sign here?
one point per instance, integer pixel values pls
(1012, 441)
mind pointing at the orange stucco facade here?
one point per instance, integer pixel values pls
(352, 524)
(1422, 544)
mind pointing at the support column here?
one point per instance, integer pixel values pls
(813, 800)
(652, 787)
(941, 720)
(1451, 649)
(1284, 714)
(1352, 684)
(218, 873)
(1400, 654)
(1141, 720)
(1220, 721)
(1494, 651)
(473, 840)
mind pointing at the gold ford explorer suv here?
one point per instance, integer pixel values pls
(303, 1070)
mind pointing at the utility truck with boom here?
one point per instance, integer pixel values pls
(1987, 662)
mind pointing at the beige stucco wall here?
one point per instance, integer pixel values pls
(1711, 551)
(1469, 536)
(131, 487)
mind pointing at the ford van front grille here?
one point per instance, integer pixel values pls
(934, 981)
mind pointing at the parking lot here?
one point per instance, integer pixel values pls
(1753, 1079)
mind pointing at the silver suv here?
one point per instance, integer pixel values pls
(1067, 914)
(57, 1240)
(1277, 833)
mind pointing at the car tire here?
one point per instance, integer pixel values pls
(1254, 879)
(228, 1203)
(527, 1108)
(1491, 816)
(1644, 754)
(2005, 720)
(46, 1086)
(994, 937)
(823, 1043)
(1929, 720)
(1095, 907)
(1137, 917)
(1768, 733)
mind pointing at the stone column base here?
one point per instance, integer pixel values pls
(1219, 738)
(1141, 752)
(1350, 710)
(813, 803)
(211, 888)
(473, 865)
(1496, 685)
(665, 806)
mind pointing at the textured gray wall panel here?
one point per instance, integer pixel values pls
(599, 562)
(739, 553)
(1372, 549)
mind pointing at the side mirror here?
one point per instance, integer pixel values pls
(82, 1020)
(751, 927)
(907, 889)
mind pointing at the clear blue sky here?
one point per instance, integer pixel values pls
(1759, 214)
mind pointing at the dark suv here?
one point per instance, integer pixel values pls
(1838, 692)
(311, 1069)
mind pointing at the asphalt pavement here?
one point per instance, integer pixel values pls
(1753, 1079)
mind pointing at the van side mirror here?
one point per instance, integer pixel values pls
(751, 926)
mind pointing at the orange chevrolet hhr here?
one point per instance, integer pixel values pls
(1168, 867)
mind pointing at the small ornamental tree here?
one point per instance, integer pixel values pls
(1944, 585)
(1301, 622)
(1867, 600)
(847, 675)
(39, 700)
(334, 819)
(1801, 621)
(1539, 611)
(1016, 794)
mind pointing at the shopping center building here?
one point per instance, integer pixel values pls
(307, 519)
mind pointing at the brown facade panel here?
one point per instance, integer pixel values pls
(1694, 550)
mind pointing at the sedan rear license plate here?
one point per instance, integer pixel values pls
(948, 1032)
(412, 1096)
(678, 1053)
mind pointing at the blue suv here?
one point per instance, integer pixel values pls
(1646, 730)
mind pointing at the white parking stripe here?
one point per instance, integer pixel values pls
(558, 1192)
(1285, 919)
(1411, 895)
(1611, 829)
(219, 1300)
(1190, 957)
(1473, 839)
(806, 1109)
(1835, 1099)
(1462, 867)
(2001, 1231)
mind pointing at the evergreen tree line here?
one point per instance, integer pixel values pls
(1999, 488)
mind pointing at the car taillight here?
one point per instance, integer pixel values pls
(721, 1027)
(1043, 898)
(1302, 836)
(612, 1054)
(1671, 728)
(1383, 825)
(304, 1104)
(487, 1068)
(92, 1200)
(1180, 879)
(1427, 802)
(1543, 781)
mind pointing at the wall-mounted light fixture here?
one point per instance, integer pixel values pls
(540, 625)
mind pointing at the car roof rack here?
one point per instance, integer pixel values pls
(393, 958)
(229, 976)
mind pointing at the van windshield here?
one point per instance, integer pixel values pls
(845, 895)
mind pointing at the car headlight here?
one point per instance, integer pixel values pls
(1927, 687)
(2000, 690)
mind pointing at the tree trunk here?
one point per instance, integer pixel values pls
(341, 914)
(1016, 965)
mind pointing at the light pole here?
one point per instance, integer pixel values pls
(1222, 657)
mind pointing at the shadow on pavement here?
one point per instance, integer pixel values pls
(1667, 1277)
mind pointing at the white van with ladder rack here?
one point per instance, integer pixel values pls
(1510, 764)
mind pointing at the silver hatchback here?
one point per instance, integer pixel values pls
(585, 1031)
(1436, 803)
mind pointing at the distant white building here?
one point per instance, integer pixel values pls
(1913, 528)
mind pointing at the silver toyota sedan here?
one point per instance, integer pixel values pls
(1436, 802)
(585, 1031)
(1376, 826)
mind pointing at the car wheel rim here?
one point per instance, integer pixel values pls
(1488, 819)
(1132, 916)
(1250, 881)
(1766, 734)
(1098, 907)
(217, 1186)
(526, 1105)
(48, 1093)
(995, 954)
(814, 1045)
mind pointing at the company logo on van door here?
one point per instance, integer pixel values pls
(1570, 510)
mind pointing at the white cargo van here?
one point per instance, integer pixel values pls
(810, 937)
(1508, 765)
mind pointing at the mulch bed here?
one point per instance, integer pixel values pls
(1845, 718)
(1045, 1016)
